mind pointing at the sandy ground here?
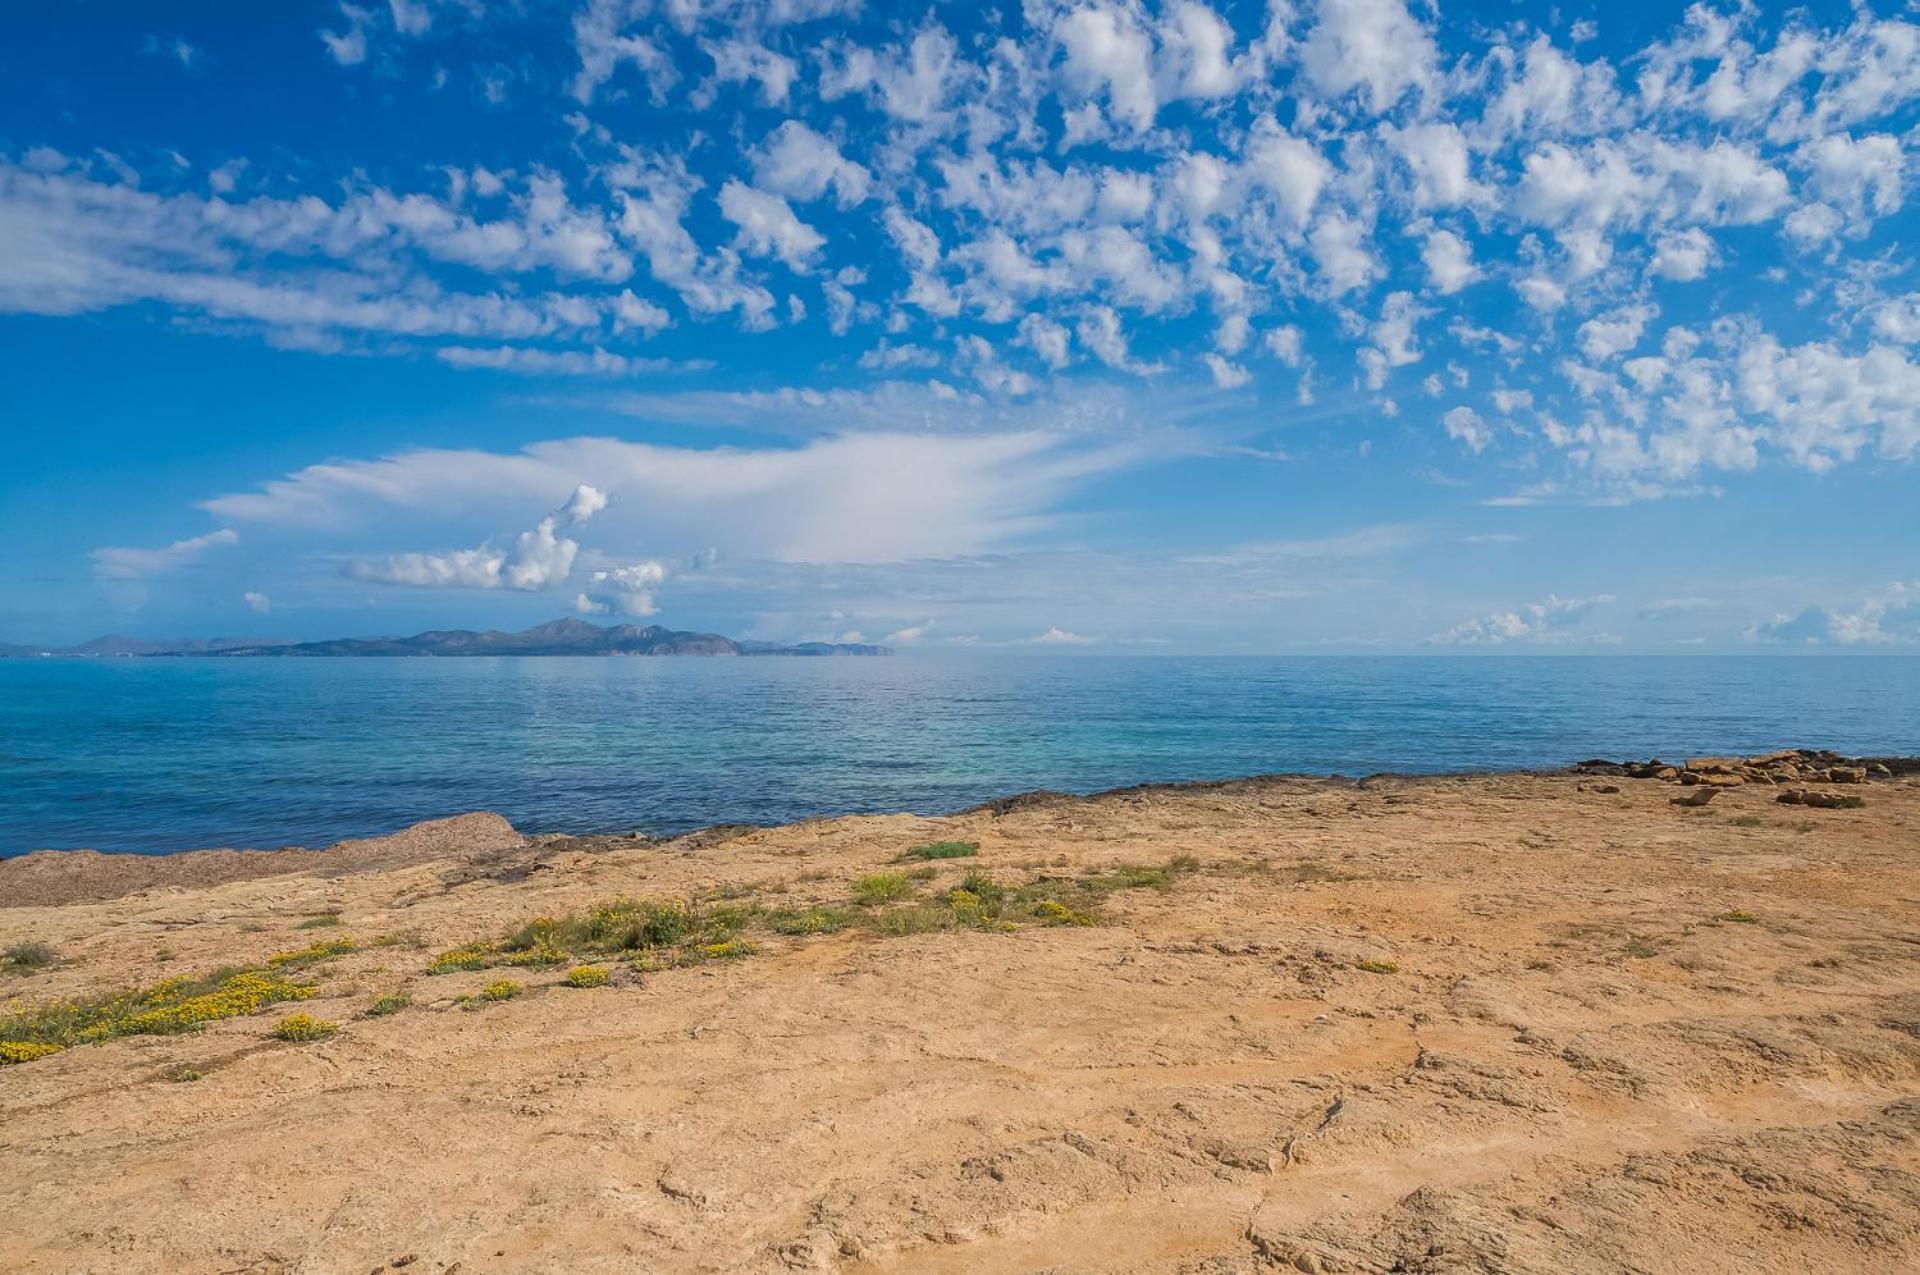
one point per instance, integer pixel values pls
(1578, 1066)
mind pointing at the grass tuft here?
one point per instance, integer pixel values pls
(1739, 917)
(1377, 967)
(942, 850)
(586, 976)
(392, 1003)
(319, 921)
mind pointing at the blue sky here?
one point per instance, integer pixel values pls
(1339, 325)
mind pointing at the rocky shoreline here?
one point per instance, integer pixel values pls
(1781, 768)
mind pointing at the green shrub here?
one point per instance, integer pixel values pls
(586, 976)
(392, 1003)
(319, 921)
(1377, 967)
(501, 989)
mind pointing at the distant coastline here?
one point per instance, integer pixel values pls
(556, 637)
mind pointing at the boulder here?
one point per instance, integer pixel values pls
(1846, 774)
(1713, 765)
(1700, 796)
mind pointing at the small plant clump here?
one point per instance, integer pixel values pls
(20, 1051)
(1377, 967)
(313, 953)
(820, 920)
(943, 850)
(301, 1028)
(319, 921)
(473, 956)
(1739, 917)
(586, 976)
(882, 887)
(392, 1003)
(173, 1005)
(665, 934)
(501, 989)
(27, 956)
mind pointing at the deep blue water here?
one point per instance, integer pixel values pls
(159, 755)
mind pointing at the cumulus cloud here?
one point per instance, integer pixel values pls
(1373, 47)
(535, 559)
(1888, 617)
(1552, 621)
(628, 590)
(1468, 428)
(799, 163)
(768, 226)
(1449, 262)
(258, 603)
(1057, 636)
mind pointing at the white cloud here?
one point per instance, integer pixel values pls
(1436, 156)
(1888, 617)
(1057, 636)
(1285, 344)
(1449, 262)
(349, 47)
(1375, 45)
(1549, 621)
(1339, 246)
(1100, 332)
(138, 564)
(629, 590)
(1862, 176)
(1615, 333)
(1107, 52)
(799, 163)
(536, 559)
(1683, 255)
(259, 603)
(1467, 427)
(853, 498)
(909, 635)
(1226, 374)
(768, 226)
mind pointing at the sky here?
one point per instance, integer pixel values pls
(1312, 326)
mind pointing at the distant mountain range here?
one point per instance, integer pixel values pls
(557, 637)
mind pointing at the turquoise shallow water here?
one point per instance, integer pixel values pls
(159, 755)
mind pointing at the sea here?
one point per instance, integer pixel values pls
(160, 755)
